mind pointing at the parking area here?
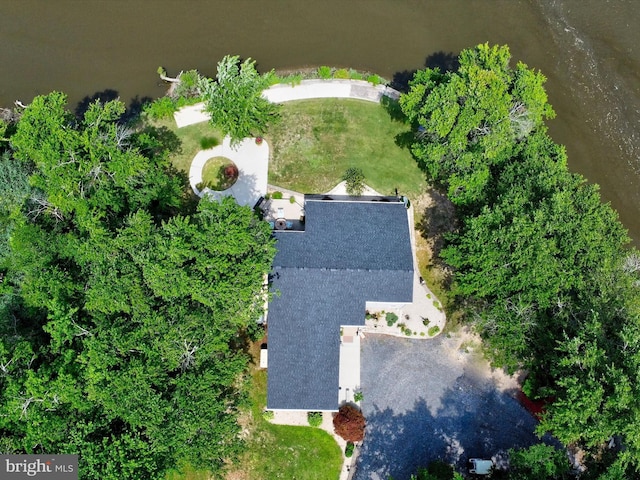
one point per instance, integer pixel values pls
(434, 399)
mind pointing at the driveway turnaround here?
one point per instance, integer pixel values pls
(429, 400)
(252, 161)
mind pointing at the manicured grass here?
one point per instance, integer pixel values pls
(280, 451)
(315, 142)
(194, 138)
(214, 175)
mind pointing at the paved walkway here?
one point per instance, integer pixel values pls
(252, 161)
(307, 89)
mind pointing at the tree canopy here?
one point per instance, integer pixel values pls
(540, 263)
(123, 313)
(234, 99)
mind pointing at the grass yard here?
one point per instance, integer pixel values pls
(281, 451)
(317, 140)
(194, 138)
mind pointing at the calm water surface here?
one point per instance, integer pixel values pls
(588, 49)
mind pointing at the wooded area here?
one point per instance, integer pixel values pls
(124, 309)
(540, 264)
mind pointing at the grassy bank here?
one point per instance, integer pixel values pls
(317, 140)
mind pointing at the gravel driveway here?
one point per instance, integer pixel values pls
(427, 400)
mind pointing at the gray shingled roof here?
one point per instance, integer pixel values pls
(350, 253)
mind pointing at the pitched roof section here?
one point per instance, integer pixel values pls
(350, 253)
(349, 235)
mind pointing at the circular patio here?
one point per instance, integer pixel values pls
(252, 161)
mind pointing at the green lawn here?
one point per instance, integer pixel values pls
(194, 138)
(317, 140)
(280, 451)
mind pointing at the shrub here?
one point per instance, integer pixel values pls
(426, 321)
(408, 332)
(391, 319)
(433, 330)
(268, 415)
(355, 75)
(374, 79)
(422, 334)
(358, 396)
(208, 142)
(324, 72)
(293, 79)
(292, 199)
(341, 73)
(277, 195)
(354, 177)
(160, 108)
(314, 418)
(348, 451)
(189, 85)
(349, 423)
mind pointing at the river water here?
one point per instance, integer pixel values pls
(588, 49)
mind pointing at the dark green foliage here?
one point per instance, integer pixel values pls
(348, 450)
(539, 462)
(314, 418)
(391, 318)
(121, 318)
(234, 100)
(354, 178)
(437, 470)
(540, 262)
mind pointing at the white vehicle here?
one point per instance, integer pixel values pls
(479, 466)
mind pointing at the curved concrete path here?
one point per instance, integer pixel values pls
(307, 89)
(252, 161)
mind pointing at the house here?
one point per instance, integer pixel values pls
(353, 254)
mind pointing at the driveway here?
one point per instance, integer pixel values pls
(428, 399)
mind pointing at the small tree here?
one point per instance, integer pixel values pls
(349, 423)
(234, 100)
(354, 177)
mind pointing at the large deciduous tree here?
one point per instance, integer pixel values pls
(234, 99)
(469, 120)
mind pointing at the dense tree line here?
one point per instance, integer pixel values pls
(542, 265)
(123, 309)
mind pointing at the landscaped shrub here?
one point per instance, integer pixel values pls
(433, 330)
(341, 73)
(391, 319)
(160, 108)
(354, 178)
(408, 332)
(349, 423)
(348, 451)
(324, 72)
(358, 396)
(292, 199)
(426, 321)
(268, 415)
(314, 418)
(355, 75)
(277, 195)
(374, 79)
